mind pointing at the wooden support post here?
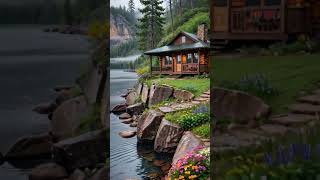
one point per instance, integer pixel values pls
(199, 58)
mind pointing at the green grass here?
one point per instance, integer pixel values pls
(202, 131)
(194, 85)
(288, 74)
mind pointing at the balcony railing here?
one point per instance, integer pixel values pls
(190, 67)
(185, 68)
(251, 20)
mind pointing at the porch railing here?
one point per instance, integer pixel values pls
(190, 67)
(251, 20)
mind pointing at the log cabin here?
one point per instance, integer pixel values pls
(187, 53)
(234, 20)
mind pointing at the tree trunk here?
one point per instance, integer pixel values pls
(170, 3)
(180, 7)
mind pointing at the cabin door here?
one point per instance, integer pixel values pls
(178, 63)
(221, 16)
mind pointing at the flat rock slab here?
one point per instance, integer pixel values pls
(312, 99)
(304, 108)
(274, 129)
(205, 96)
(293, 119)
(127, 121)
(201, 99)
(125, 116)
(50, 171)
(316, 91)
(227, 140)
(166, 109)
(182, 106)
(127, 134)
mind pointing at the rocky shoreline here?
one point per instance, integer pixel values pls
(151, 126)
(73, 152)
(67, 29)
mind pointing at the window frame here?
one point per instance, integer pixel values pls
(191, 58)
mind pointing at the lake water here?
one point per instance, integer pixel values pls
(127, 159)
(31, 64)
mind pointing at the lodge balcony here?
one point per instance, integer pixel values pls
(191, 68)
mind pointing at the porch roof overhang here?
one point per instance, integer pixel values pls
(176, 48)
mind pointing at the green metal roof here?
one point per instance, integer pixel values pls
(173, 48)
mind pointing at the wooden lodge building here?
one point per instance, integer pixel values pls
(186, 54)
(263, 19)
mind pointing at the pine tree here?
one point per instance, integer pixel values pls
(131, 7)
(150, 26)
(68, 12)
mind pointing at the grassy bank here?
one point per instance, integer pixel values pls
(290, 75)
(195, 85)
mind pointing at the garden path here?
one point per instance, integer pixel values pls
(303, 114)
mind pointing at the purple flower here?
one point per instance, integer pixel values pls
(307, 151)
(268, 159)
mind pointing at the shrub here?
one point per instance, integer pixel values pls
(203, 131)
(195, 165)
(190, 120)
(190, 87)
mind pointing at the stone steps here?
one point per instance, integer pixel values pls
(304, 108)
(205, 96)
(201, 99)
(311, 99)
(293, 119)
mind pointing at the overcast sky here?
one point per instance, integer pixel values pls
(125, 3)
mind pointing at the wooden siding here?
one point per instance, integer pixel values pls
(178, 40)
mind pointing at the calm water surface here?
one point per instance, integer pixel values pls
(128, 160)
(31, 64)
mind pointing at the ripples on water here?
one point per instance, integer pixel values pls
(128, 160)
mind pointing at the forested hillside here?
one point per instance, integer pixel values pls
(123, 31)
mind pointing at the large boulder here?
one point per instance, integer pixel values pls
(159, 93)
(168, 137)
(187, 143)
(86, 150)
(183, 95)
(238, 106)
(63, 96)
(91, 83)
(77, 175)
(30, 147)
(132, 97)
(148, 125)
(139, 88)
(66, 118)
(101, 174)
(119, 108)
(145, 94)
(50, 171)
(135, 109)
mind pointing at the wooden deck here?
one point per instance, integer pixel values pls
(186, 69)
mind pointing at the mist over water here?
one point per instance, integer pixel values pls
(31, 64)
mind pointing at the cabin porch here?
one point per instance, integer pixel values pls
(179, 63)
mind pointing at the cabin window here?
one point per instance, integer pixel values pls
(253, 2)
(168, 60)
(272, 2)
(183, 39)
(179, 59)
(189, 58)
(195, 58)
(221, 3)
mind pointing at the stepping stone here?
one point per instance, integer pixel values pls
(206, 144)
(247, 136)
(201, 99)
(293, 119)
(312, 99)
(166, 109)
(229, 141)
(195, 102)
(127, 134)
(182, 106)
(205, 96)
(274, 129)
(317, 91)
(305, 109)
(207, 92)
